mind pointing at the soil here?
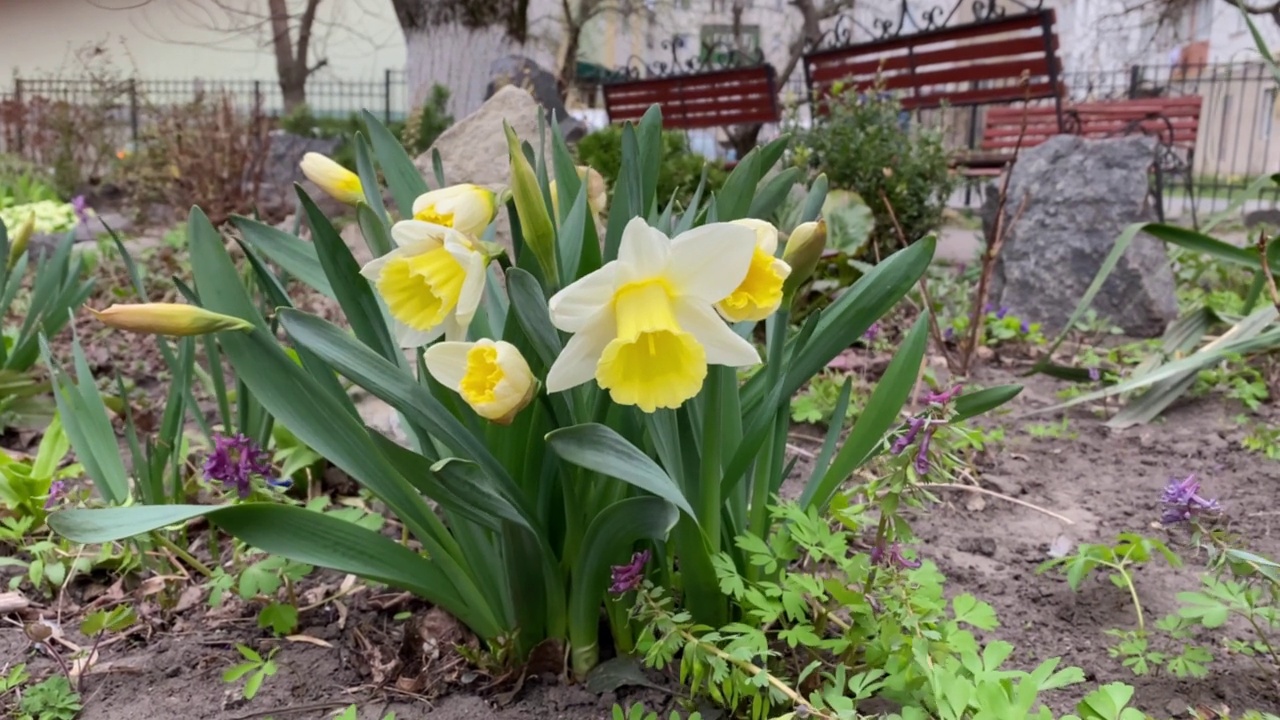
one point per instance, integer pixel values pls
(1104, 481)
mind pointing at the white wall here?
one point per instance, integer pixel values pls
(172, 38)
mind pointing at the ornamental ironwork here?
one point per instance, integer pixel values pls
(849, 29)
(687, 58)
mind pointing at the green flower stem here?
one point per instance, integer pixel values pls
(185, 556)
(708, 504)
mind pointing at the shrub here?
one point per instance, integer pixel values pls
(679, 173)
(867, 145)
(23, 182)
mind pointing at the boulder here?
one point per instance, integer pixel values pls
(524, 73)
(275, 195)
(1068, 201)
(475, 149)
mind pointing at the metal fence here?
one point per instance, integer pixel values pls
(126, 104)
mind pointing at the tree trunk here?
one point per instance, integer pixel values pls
(294, 90)
(457, 57)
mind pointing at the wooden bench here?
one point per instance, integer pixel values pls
(733, 96)
(1000, 61)
(1173, 121)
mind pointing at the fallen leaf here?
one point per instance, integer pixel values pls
(308, 639)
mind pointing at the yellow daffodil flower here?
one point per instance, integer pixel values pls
(336, 181)
(492, 377)
(597, 192)
(466, 208)
(643, 324)
(432, 282)
(760, 292)
(168, 319)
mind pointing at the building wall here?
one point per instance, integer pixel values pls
(172, 39)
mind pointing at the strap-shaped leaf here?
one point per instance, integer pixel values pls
(403, 178)
(599, 448)
(294, 255)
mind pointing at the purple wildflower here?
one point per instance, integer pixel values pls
(871, 333)
(1024, 328)
(922, 456)
(1094, 374)
(892, 557)
(56, 489)
(81, 207)
(914, 426)
(236, 460)
(626, 578)
(1182, 501)
(1001, 313)
(949, 334)
(944, 397)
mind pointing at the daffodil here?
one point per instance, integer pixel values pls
(336, 181)
(491, 376)
(431, 283)
(760, 292)
(597, 192)
(168, 319)
(803, 252)
(466, 208)
(643, 325)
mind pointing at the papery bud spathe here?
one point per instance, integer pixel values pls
(466, 208)
(18, 241)
(491, 376)
(336, 181)
(802, 252)
(168, 319)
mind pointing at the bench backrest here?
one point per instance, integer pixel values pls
(1004, 125)
(712, 99)
(1175, 121)
(974, 64)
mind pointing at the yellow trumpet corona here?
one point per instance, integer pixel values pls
(491, 376)
(168, 319)
(336, 181)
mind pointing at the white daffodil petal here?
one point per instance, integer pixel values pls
(407, 337)
(447, 362)
(372, 270)
(722, 344)
(454, 329)
(577, 361)
(766, 234)
(710, 262)
(573, 306)
(472, 288)
(418, 235)
(643, 251)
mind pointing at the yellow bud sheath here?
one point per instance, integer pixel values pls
(336, 181)
(168, 319)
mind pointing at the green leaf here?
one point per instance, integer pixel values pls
(608, 538)
(774, 192)
(601, 449)
(355, 296)
(976, 403)
(530, 306)
(236, 672)
(374, 231)
(369, 183)
(293, 255)
(281, 618)
(402, 176)
(881, 413)
(973, 611)
(291, 532)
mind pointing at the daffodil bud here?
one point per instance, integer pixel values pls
(491, 376)
(168, 319)
(466, 208)
(18, 241)
(802, 252)
(597, 191)
(336, 181)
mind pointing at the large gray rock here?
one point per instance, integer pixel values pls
(276, 198)
(524, 73)
(1079, 195)
(475, 149)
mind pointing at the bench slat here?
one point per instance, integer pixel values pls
(713, 99)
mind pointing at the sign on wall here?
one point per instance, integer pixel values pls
(721, 39)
